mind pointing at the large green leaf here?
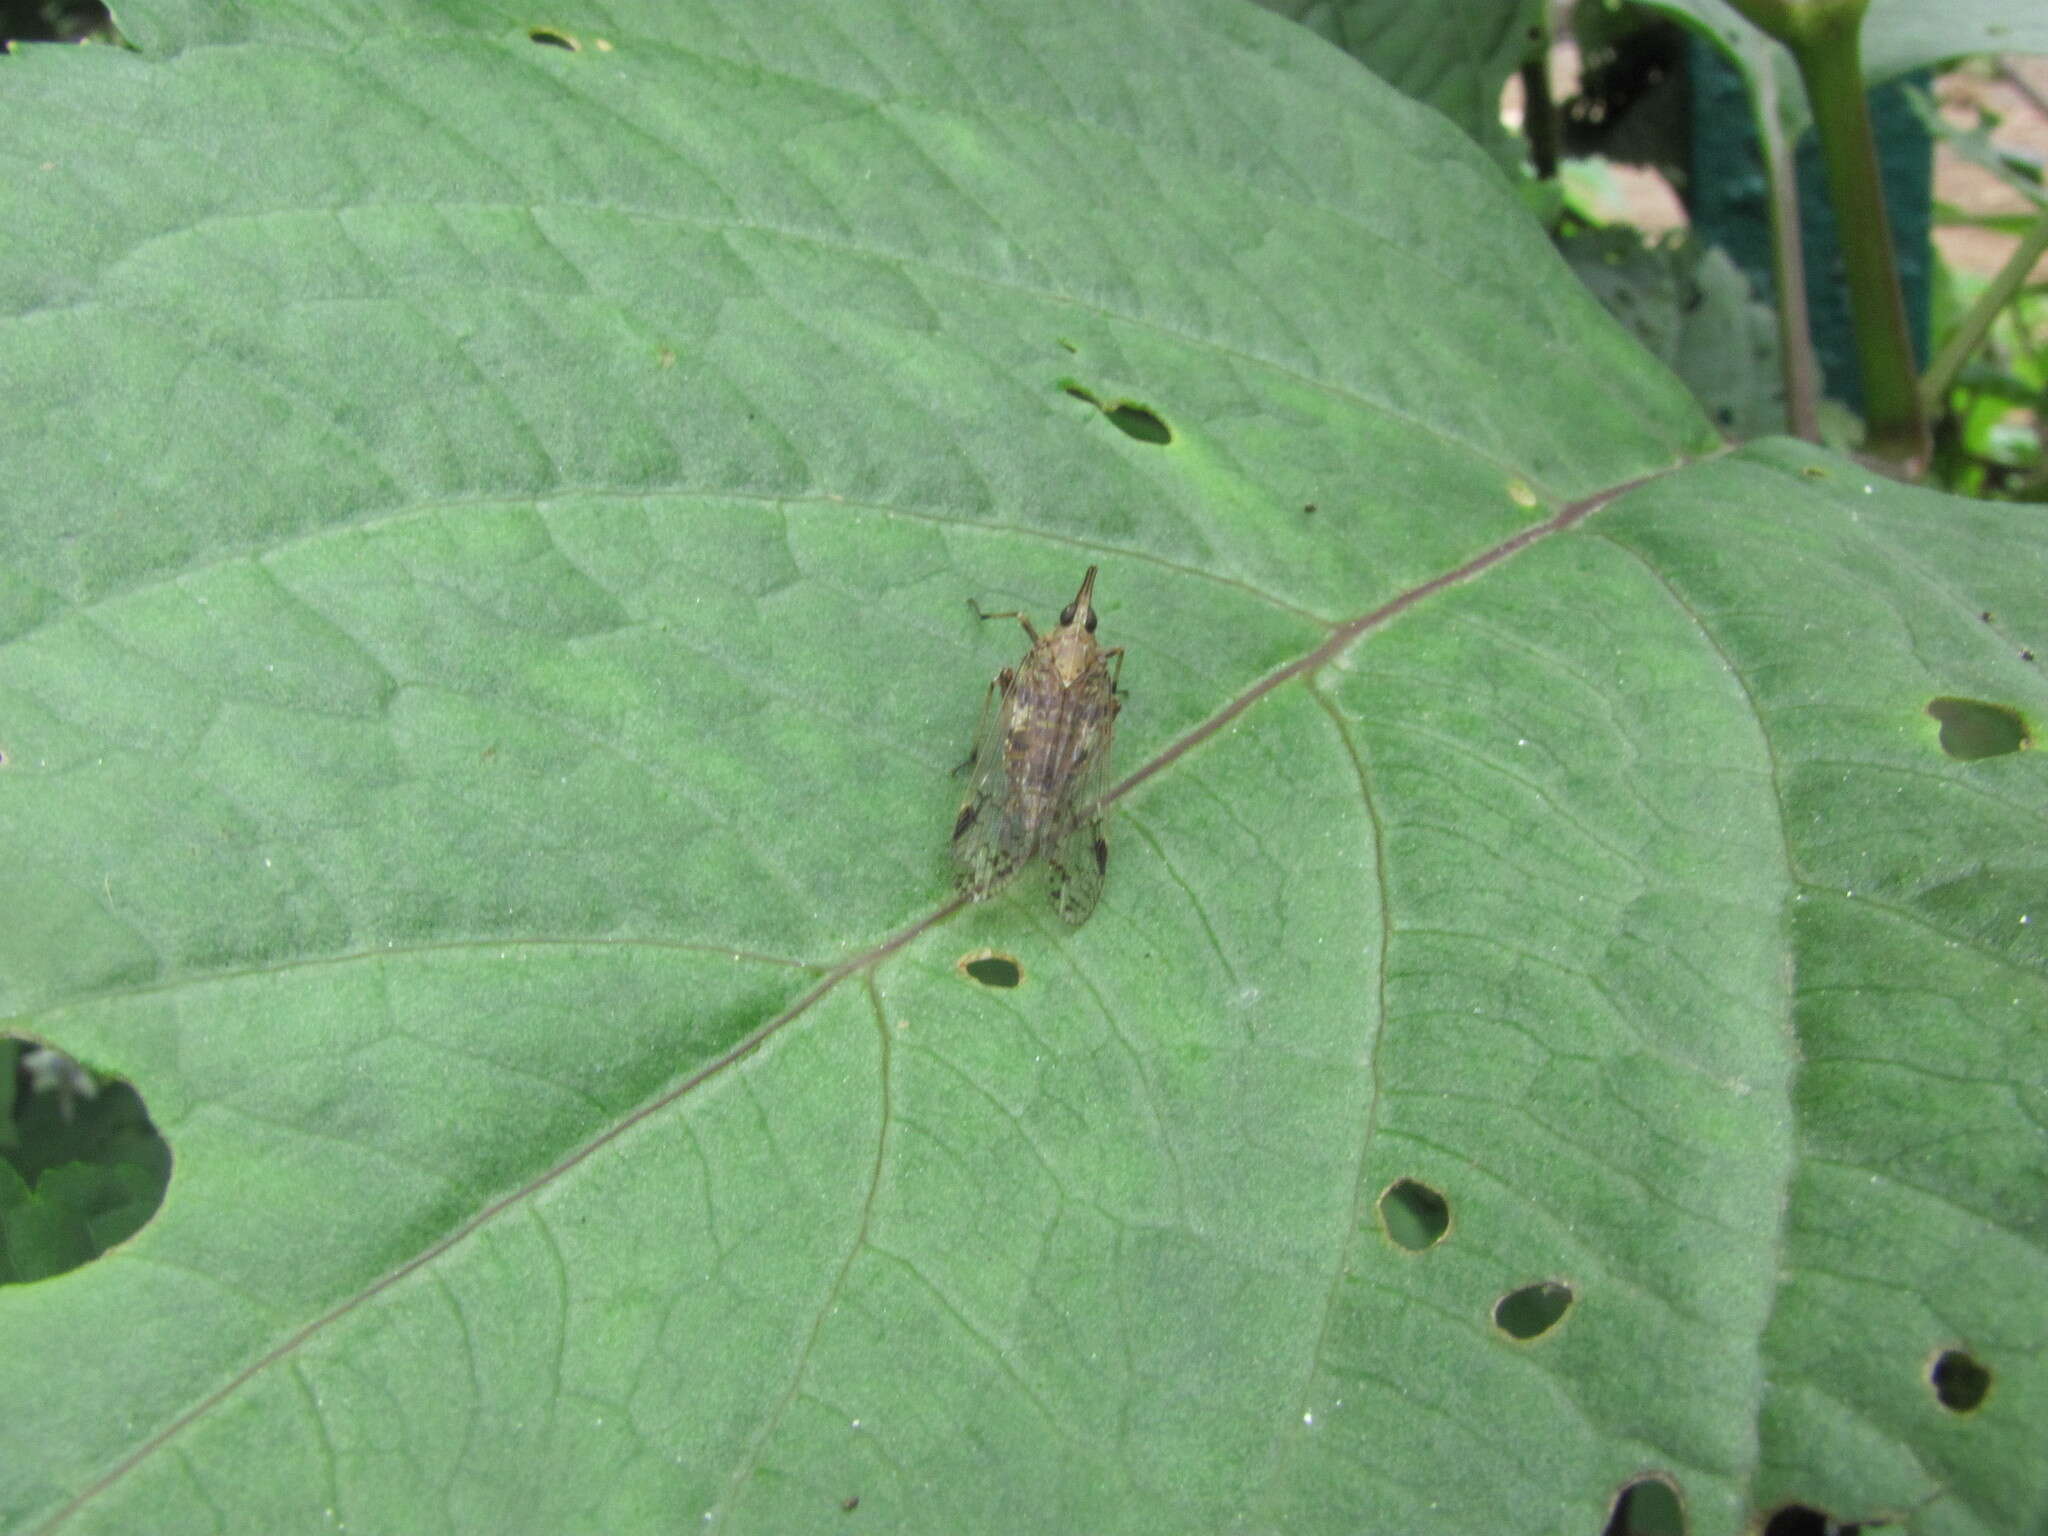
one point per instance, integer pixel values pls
(1455, 55)
(484, 596)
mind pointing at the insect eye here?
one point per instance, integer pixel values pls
(1067, 615)
(1091, 621)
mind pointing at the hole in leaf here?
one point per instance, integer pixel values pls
(1127, 416)
(81, 1167)
(991, 968)
(65, 21)
(1414, 1215)
(1972, 729)
(548, 37)
(1959, 1382)
(1802, 1520)
(1533, 1310)
(1136, 421)
(1647, 1507)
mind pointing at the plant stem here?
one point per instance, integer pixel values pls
(1970, 332)
(1822, 36)
(1797, 365)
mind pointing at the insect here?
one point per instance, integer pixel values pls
(1040, 762)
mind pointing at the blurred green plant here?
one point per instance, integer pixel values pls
(1986, 387)
(1972, 417)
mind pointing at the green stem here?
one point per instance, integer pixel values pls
(1969, 334)
(1822, 36)
(1797, 365)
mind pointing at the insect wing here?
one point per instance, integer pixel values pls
(1079, 856)
(1078, 862)
(986, 838)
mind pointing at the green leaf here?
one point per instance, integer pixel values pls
(1896, 38)
(484, 640)
(74, 1214)
(1455, 56)
(1692, 308)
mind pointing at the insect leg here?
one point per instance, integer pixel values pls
(1014, 613)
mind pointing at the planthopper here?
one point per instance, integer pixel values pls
(1041, 762)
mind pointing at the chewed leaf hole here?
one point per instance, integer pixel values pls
(1649, 1506)
(1136, 421)
(1533, 1310)
(991, 968)
(1414, 1215)
(548, 37)
(1804, 1520)
(1960, 1383)
(1127, 416)
(81, 1167)
(1971, 729)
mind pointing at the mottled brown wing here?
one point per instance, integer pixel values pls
(988, 842)
(1078, 856)
(1078, 862)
